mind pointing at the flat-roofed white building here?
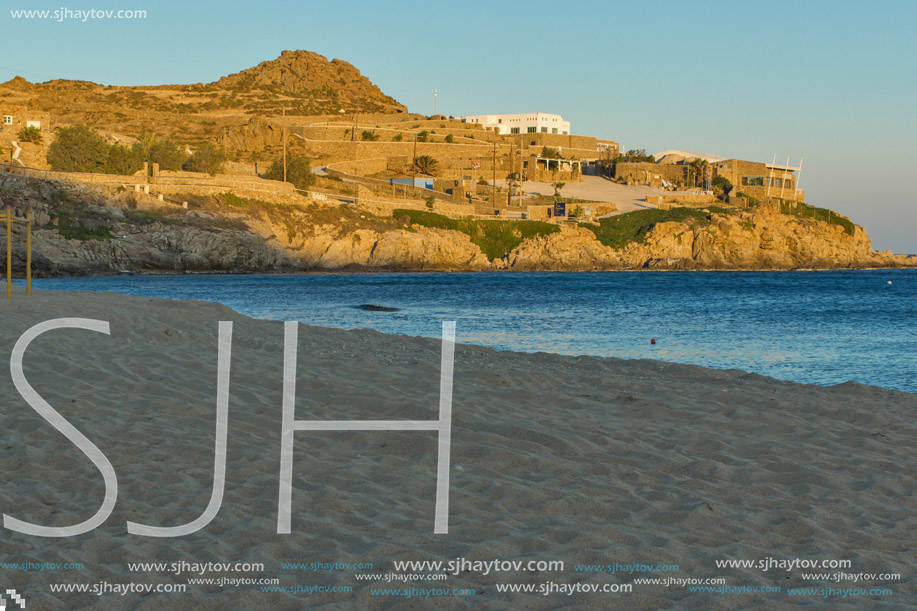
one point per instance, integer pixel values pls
(522, 123)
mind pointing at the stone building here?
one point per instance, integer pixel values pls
(761, 180)
(14, 117)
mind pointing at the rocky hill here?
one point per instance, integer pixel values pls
(310, 78)
(80, 230)
(297, 82)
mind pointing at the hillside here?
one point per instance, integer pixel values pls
(82, 230)
(299, 82)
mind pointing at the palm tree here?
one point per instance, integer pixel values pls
(426, 165)
(700, 170)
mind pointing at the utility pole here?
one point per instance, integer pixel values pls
(493, 188)
(414, 166)
(284, 136)
(512, 173)
(353, 132)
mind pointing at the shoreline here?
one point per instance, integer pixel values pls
(235, 291)
(376, 270)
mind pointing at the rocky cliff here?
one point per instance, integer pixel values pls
(759, 238)
(79, 230)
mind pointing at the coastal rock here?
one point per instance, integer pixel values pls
(427, 249)
(112, 237)
(573, 248)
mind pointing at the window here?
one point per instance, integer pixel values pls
(544, 130)
(779, 182)
(753, 181)
(532, 130)
(7, 119)
(514, 130)
(499, 120)
(565, 133)
(554, 130)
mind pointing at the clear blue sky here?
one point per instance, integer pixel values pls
(832, 81)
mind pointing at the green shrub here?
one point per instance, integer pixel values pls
(398, 138)
(496, 239)
(449, 138)
(751, 201)
(80, 232)
(167, 154)
(801, 210)
(299, 172)
(146, 217)
(722, 184)
(30, 134)
(78, 149)
(620, 230)
(636, 156)
(231, 199)
(123, 160)
(206, 159)
(369, 136)
(423, 136)
(291, 231)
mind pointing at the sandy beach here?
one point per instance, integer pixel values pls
(588, 461)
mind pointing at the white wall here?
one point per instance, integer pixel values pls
(505, 124)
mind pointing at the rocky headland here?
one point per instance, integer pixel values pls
(88, 230)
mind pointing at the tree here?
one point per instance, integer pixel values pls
(722, 184)
(426, 165)
(699, 166)
(299, 172)
(423, 136)
(206, 159)
(78, 149)
(30, 134)
(369, 136)
(636, 155)
(123, 160)
(550, 153)
(167, 154)
(557, 187)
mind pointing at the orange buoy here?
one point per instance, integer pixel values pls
(653, 341)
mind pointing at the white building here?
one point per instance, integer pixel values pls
(522, 123)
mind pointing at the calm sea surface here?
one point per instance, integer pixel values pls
(817, 327)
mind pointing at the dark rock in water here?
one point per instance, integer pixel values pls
(370, 307)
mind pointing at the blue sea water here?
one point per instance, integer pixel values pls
(821, 327)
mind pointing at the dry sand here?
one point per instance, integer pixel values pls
(585, 460)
